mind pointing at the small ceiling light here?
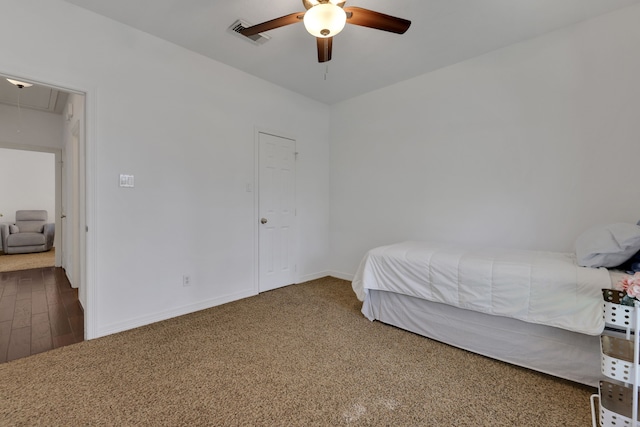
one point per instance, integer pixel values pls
(325, 20)
(19, 83)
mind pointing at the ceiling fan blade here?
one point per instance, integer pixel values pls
(377, 20)
(325, 44)
(273, 24)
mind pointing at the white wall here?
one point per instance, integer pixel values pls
(35, 128)
(523, 147)
(27, 181)
(184, 126)
(27, 178)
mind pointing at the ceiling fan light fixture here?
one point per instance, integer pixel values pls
(325, 20)
(19, 83)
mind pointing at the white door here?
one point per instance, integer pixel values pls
(276, 201)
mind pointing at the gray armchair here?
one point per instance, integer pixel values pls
(30, 233)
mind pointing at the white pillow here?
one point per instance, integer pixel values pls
(13, 229)
(607, 246)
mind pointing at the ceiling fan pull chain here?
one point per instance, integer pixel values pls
(326, 71)
(19, 114)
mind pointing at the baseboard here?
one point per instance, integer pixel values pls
(203, 305)
(320, 275)
(339, 275)
(169, 314)
(312, 276)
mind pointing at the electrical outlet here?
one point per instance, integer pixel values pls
(186, 280)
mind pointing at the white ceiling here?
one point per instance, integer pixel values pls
(443, 32)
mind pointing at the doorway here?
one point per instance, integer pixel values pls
(276, 211)
(29, 180)
(42, 106)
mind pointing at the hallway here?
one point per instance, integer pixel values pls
(39, 311)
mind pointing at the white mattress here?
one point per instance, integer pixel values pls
(537, 287)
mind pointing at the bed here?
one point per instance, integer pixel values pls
(535, 309)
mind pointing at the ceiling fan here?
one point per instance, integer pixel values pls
(326, 18)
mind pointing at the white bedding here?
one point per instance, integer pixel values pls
(537, 287)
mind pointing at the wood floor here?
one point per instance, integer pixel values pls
(39, 311)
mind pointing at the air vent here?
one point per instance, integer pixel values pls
(240, 25)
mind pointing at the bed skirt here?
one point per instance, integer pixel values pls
(554, 351)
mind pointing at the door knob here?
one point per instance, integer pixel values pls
(263, 221)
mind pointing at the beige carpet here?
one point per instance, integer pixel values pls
(298, 356)
(15, 262)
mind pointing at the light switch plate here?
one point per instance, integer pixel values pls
(126, 181)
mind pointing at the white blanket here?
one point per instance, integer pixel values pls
(538, 287)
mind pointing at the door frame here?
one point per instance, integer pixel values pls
(88, 219)
(256, 201)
